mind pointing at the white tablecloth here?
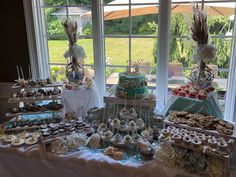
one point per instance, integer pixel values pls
(80, 101)
(33, 162)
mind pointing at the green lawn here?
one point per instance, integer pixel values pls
(116, 50)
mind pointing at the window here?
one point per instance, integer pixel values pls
(131, 30)
(130, 35)
(54, 11)
(221, 23)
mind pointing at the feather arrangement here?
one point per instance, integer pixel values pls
(200, 34)
(204, 51)
(75, 52)
(199, 27)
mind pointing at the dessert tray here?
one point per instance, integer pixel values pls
(219, 147)
(22, 138)
(198, 122)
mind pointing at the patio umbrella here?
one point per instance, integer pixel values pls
(116, 12)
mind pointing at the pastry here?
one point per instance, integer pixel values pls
(165, 132)
(72, 129)
(116, 122)
(222, 145)
(87, 127)
(196, 142)
(127, 139)
(117, 138)
(102, 126)
(132, 125)
(145, 133)
(23, 135)
(118, 155)
(9, 138)
(108, 135)
(15, 110)
(14, 95)
(187, 140)
(45, 134)
(203, 139)
(122, 124)
(17, 142)
(80, 129)
(108, 151)
(94, 141)
(176, 138)
(139, 122)
(31, 140)
(171, 128)
(55, 132)
(136, 137)
(62, 130)
(212, 142)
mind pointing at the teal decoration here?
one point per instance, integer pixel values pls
(209, 106)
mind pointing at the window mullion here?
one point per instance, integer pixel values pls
(163, 51)
(98, 46)
(230, 106)
(130, 31)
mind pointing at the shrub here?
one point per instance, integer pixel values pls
(87, 30)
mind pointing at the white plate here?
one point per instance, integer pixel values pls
(9, 138)
(28, 142)
(21, 141)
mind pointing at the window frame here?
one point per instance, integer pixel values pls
(39, 52)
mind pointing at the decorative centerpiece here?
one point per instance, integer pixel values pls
(131, 84)
(75, 71)
(202, 76)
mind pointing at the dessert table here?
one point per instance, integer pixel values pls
(28, 162)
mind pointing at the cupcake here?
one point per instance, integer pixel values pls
(108, 135)
(127, 139)
(102, 126)
(116, 122)
(139, 122)
(145, 133)
(122, 124)
(87, 127)
(136, 137)
(132, 125)
(117, 138)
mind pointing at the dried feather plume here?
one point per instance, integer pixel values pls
(76, 52)
(199, 25)
(200, 34)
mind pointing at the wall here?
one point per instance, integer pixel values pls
(14, 49)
